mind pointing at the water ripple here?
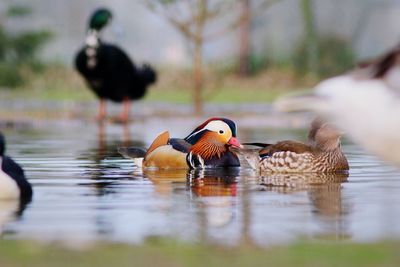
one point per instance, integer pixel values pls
(85, 191)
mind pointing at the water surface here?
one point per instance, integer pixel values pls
(84, 190)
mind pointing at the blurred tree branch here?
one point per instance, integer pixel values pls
(247, 13)
(190, 18)
(311, 36)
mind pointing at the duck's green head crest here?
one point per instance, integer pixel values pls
(100, 18)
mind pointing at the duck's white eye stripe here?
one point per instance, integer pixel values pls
(218, 126)
(215, 126)
(193, 134)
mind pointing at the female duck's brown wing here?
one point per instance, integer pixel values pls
(282, 146)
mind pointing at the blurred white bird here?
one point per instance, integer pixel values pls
(365, 103)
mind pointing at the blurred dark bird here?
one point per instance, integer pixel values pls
(108, 70)
(207, 146)
(13, 184)
(365, 103)
(322, 154)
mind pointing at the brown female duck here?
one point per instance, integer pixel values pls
(322, 154)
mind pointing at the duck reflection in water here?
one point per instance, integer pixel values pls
(215, 192)
(10, 211)
(212, 191)
(325, 193)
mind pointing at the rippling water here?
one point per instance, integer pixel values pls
(84, 190)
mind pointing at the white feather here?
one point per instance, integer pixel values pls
(368, 110)
(138, 162)
(8, 187)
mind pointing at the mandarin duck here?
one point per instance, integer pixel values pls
(108, 70)
(322, 154)
(13, 184)
(365, 103)
(207, 146)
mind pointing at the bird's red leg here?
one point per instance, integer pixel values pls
(102, 110)
(126, 106)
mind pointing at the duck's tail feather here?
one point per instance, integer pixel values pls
(135, 153)
(148, 74)
(132, 152)
(257, 144)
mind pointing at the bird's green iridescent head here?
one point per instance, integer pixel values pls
(100, 18)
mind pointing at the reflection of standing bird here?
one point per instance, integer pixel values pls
(108, 70)
(322, 154)
(365, 103)
(13, 184)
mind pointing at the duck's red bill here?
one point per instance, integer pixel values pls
(234, 142)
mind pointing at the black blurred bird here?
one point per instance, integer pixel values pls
(13, 184)
(109, 71)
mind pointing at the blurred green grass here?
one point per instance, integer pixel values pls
(164, 252)
(59, 83)
(223, 95)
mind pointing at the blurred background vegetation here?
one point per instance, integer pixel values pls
(214, 51)
(19, 51)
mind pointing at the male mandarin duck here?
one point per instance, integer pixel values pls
(365, 103)
(13, 184)
(322, 154)
(207, 146)
(109, 71)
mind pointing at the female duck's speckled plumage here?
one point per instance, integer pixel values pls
(322, 153)
(208, 146)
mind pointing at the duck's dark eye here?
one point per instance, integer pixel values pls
(221, 132)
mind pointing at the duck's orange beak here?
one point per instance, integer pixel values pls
(234, 142)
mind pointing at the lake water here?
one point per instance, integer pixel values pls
(84, 191)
